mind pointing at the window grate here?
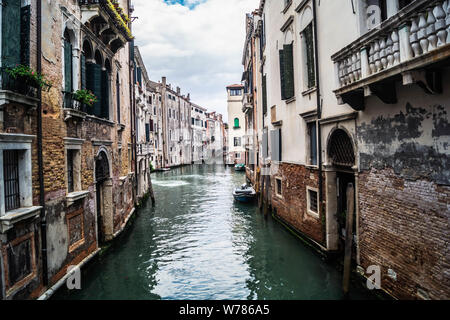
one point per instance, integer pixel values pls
(70, 183)
(313, 201)
(11, 179)
(341, 149)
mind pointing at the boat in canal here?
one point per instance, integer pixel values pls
(239, 167)
(244, 193)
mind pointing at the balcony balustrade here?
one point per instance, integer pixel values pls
(409, 46)
(72, 107)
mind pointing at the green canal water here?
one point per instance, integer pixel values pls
(198, 244)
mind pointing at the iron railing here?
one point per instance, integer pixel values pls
(71, 103)
(17, 85)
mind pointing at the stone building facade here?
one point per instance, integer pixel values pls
(214, 137)
(145, 125)
(236, 130)
(70, 182)
(355, 98)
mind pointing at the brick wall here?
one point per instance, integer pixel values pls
(404, 226)
(292, 206)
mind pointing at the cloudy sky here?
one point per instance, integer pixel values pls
(196, 44)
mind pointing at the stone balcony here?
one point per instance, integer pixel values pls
(103, 18)
(16, 91)
(411, 46)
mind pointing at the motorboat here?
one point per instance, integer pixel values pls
(239, 167)
(244, 193)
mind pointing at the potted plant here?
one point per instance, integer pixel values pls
(25, 75)
(85, 97)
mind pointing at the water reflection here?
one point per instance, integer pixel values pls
(197, 243)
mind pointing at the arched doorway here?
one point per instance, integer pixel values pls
(340, 184)
(103, 182)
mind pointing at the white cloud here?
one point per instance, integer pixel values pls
(198, 49)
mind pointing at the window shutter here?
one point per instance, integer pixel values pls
(118, 97)
(313, 142)
(93, 83)
(282, 74)
(139, 76)
(265, 144)
(83, 72)
(105, 94)
(310, 64)
(275, 142)
(25, 35)
(11, 23)
(288, 71)
(264, 94)
(68, 66)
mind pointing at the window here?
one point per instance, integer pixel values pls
(237, 155)
(147, 132)
(235, 92)
(313, 205)
(237, 142)
(15, 175)
(68, 63)
(11, 179)
(70, 181)
(309, 63)
(73, 165)
(236, 123)
(264, 94)
(15, 33)
(287, 72)
(312, 134)
(279, 186)
(118, 98)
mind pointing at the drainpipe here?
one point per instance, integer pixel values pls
(39, 146)
(133, 113)
(319, 101)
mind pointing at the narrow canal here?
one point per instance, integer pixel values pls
(198, 244)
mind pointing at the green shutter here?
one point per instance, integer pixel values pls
(25, 35)
(83, 71)
(310, 64)
(105, 95)
(264, 94)
(288, 71)
(93, 83)
(282, 73)
(11, 32)
(68, 87)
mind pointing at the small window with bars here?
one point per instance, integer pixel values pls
(313, 206)
(70, 177)
(11, 179)
(279, 187)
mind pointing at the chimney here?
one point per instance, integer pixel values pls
(178, 91)
(189, 97)
(164, 80)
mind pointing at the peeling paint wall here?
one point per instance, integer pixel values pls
(411, 137)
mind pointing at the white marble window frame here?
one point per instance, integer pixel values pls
(22, 143)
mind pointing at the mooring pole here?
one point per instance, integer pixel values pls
(261, 190)
(348, 237)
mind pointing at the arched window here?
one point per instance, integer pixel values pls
(340, 149)
(236, 122)
(68, 62)
(118, 97)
